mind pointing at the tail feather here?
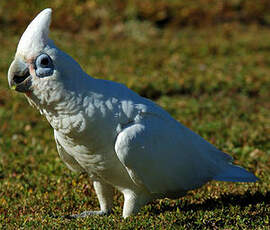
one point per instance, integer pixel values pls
(235, 173)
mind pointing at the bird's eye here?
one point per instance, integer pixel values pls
(44, 65)
(44, 61)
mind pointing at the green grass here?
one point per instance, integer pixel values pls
(215, 80)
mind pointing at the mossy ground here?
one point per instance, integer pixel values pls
(213, 79)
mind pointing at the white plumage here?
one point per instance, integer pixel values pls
(120, 139)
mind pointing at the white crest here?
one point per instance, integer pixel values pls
(35, 37)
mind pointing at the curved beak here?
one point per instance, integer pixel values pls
(19, 77)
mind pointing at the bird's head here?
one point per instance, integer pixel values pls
(39, 67)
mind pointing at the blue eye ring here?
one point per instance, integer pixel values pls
(44, 65)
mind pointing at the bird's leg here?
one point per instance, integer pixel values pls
(133, 202)
(105, 197)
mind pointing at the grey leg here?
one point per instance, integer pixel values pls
(133, 202)
(105, 197)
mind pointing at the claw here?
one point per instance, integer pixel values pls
(85, 214)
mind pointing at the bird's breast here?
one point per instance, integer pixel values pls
(99, 162)
(91, 156)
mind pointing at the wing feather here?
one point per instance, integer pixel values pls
(167, 157)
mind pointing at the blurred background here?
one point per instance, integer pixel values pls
(207, 62)
(91, 15)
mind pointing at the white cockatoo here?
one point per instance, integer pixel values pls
(119, 138)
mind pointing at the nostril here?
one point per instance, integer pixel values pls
(19, 79)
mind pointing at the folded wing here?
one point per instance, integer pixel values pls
(168, 158)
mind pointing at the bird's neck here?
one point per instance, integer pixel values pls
(61, 107)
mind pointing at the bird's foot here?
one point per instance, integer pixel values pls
(87, 213)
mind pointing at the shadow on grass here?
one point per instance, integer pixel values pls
(222, 202)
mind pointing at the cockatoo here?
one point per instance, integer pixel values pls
(120, 139)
